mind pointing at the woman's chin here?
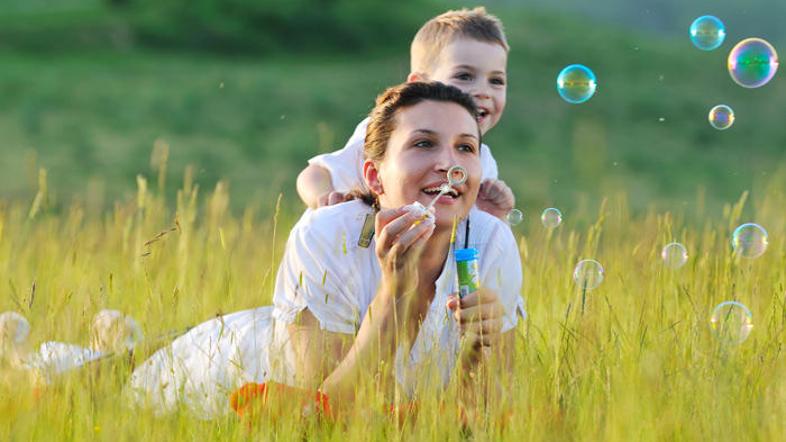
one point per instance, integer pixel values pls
(445, 216)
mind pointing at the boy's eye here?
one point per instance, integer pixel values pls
(464, 76)
(498, 81)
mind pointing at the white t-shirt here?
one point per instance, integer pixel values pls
(346, 165)
(325, 270)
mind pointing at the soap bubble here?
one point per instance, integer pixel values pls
(588, 274)
(707, 32)
(674, 255)
(731, 322)
(515, 216)
(721, 117)
(576, 84)
(749, 240)
(551, 218)
(457, 175)
(753, 62)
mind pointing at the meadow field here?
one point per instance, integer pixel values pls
(634, 359)
(159, 180)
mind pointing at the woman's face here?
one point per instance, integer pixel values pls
(429, 138)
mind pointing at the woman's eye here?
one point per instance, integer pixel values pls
(466, 148)
(424, 143)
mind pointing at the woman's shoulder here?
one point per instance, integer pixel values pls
(336, 227)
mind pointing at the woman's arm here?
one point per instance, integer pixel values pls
(393, 318)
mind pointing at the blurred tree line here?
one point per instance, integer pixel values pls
(226, 26)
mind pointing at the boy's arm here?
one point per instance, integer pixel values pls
(312, 183)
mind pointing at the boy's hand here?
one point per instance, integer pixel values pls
(496, 198)
(332, 198)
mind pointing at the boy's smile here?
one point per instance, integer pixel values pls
(478, 69)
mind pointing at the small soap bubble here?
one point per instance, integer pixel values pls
(749, 240)
(515, 217)
(674, 255)
(721, 117)
(588, 274)
(707, 33)
(551, 218)
(457, 175)
(576, 83)
(731, 322)
(752, 62)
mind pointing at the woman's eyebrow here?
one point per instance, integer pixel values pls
(431, 132)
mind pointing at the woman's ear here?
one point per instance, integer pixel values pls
(372, 178)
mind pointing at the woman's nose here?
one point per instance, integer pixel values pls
(447, 159)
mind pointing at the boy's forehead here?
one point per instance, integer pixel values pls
(473, 53)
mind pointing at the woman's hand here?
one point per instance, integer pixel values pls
(479, 315)
(401, 235)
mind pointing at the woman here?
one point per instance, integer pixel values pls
(347, 298)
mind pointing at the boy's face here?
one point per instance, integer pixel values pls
(478, 69)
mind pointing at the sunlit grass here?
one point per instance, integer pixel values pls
(636, 361)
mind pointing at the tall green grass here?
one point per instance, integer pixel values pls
(638, 362)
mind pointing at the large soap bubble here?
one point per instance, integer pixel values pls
(576, 84)
(731, 322)
(515, 217)
(721, 117)
(588, 274)
(674, 255)
(752, 62)
(749, 240)
(551, 218)
(707, 32)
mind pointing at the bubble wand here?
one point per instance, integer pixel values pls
(457, 176)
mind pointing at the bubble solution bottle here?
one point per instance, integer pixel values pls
(468, 271)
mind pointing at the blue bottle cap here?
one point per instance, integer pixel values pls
(469, 254)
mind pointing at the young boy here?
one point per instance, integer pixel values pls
(466, 49)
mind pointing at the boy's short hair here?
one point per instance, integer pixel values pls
(435, 34)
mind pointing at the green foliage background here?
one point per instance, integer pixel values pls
(248, 91)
